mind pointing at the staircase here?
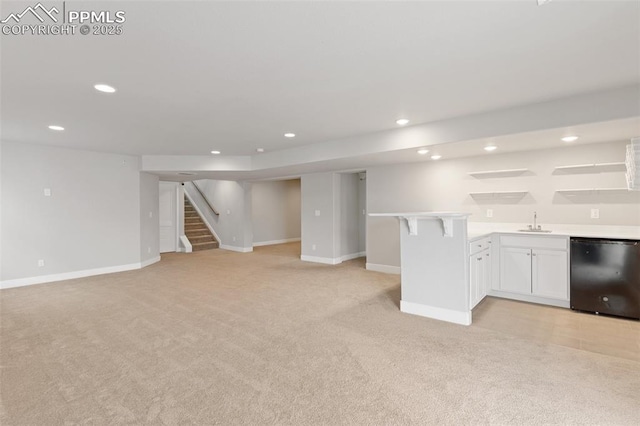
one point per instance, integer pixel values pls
(196, 231)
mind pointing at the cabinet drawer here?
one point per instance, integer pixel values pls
(551, 243)
(479, 245)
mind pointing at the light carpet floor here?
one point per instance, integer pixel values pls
(217, 337)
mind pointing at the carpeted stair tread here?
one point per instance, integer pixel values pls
(196, 231)
(204, 246)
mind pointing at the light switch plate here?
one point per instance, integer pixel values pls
(489, 212)
(40, 263)
(595, 213)
(47, 192)
(317, 212)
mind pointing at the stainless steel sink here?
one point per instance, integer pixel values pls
(535, 227)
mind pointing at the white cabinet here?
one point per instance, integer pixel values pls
(479, 271)
(515, 270)
(549, 274)
(534, 266)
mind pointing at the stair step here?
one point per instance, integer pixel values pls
(201, 239)
(196, 232)
(204, 246)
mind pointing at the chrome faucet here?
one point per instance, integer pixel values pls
(535, 227)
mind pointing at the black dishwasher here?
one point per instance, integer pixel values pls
(605, 276)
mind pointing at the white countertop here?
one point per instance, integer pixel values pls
(477, 230)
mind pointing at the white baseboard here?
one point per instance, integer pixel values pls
(188, 248)
(387, 269)
(331, 260)
(21, 282)
(235, 248)
(352, 256)
(273, 242)
(150, 261)
(316, 259)
(448, 315)
(530, 298)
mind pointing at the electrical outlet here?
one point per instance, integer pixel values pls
(313, 247)
(47, 192)
(489, 212)
(317, 212)
(234, 238)
(40, 263)
(148, 249)
(229, 212)
(364, 212)
(595, 213)
(150, 214)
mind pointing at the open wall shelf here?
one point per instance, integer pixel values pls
(498, 173)
(592, 168)
(499, 194)
(590, 191)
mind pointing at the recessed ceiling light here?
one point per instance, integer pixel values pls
(402, 121)
(259, 149)
(436, 157)
(215, 152)
(570, 139)
(423, 151)
(104, 88)
(289, 135)
(490, 148)
(186, 173)
(58, 128)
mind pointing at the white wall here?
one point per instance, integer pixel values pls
(149, 217)
(275, 211)
(91, 221)
(348, 233)
(233, 201)
(445, 185)
(335, 233)
(319, 195)
(362, 212)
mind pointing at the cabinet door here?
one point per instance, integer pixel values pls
(474, 280)
(550, 274)
(515, 270)
(486, 273)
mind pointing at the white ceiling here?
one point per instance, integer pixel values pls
(605, 132)
(235, 76)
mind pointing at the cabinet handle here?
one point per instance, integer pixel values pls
(487, 254)
(479, 245)
(528, 254)
(534, 254)
(479, 258)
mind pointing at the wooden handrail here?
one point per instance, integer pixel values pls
(204, 197)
